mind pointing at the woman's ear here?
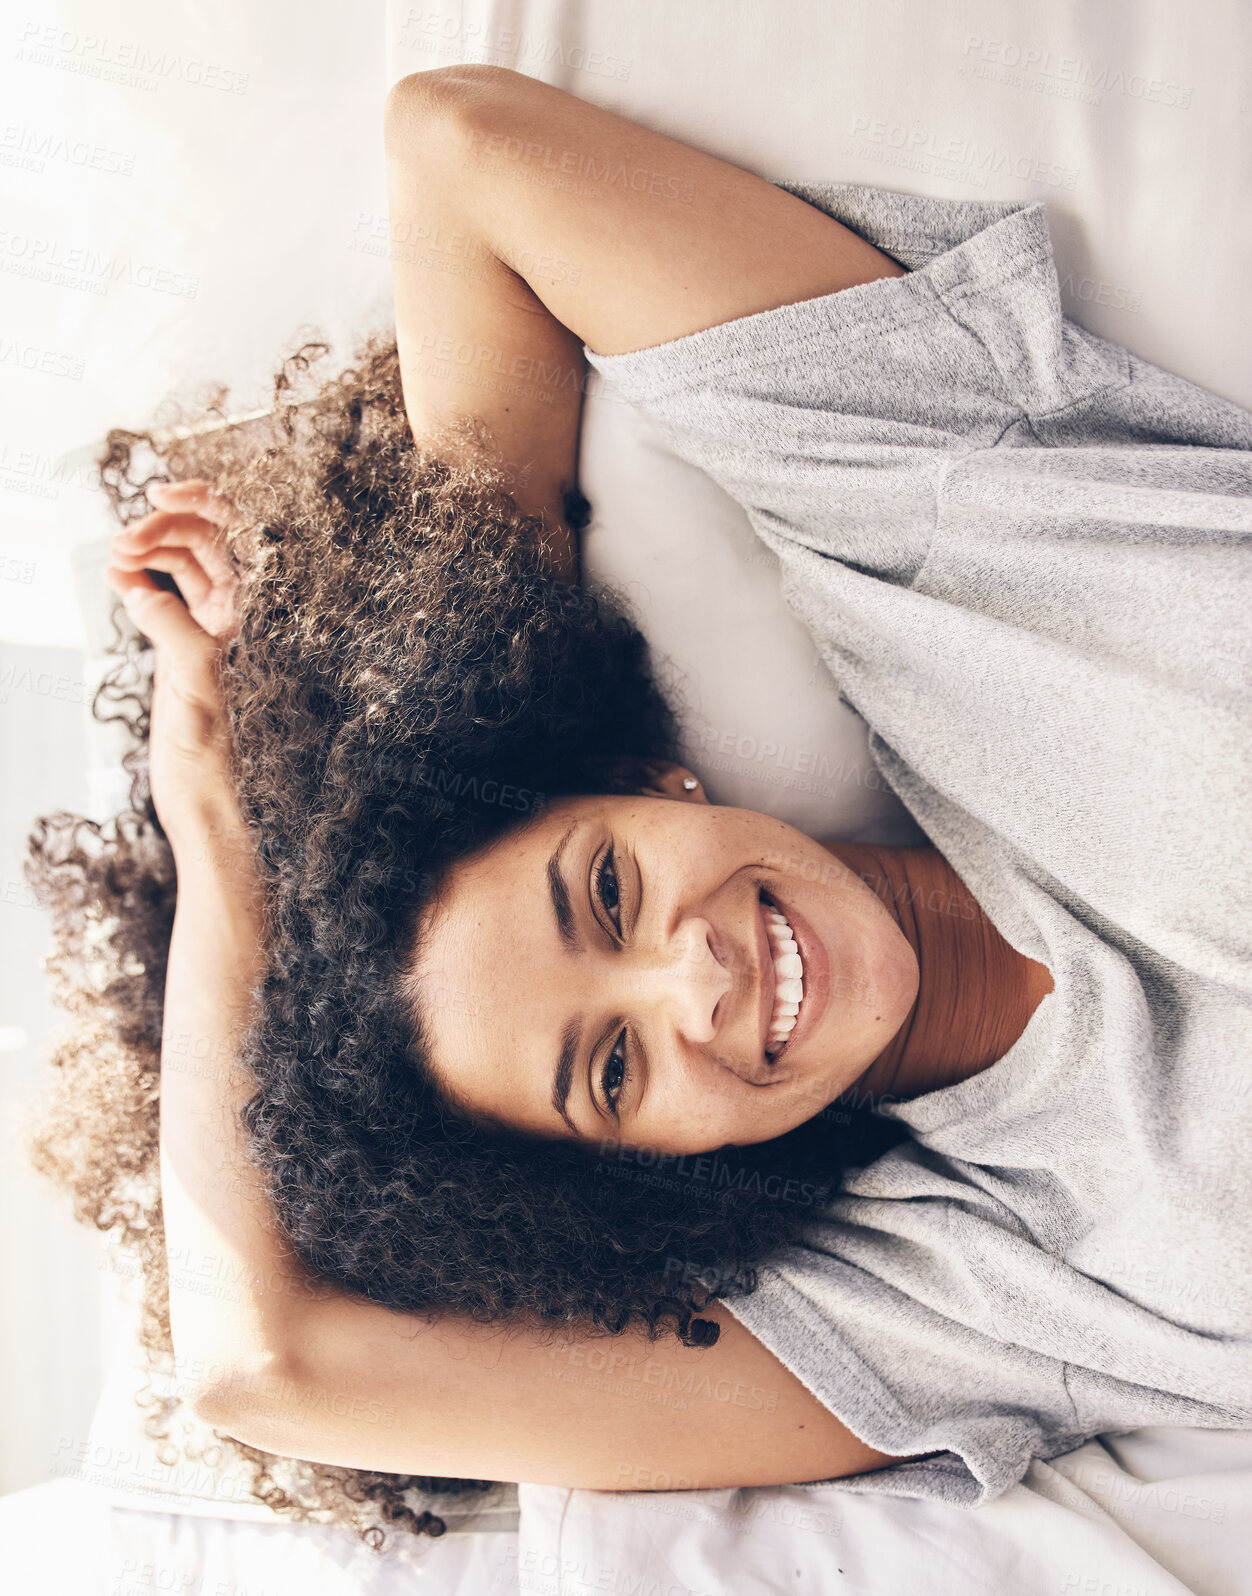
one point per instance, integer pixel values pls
(652, 778)
(674, 781)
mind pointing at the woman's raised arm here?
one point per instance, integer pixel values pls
(367, 1387)
(229, 1265)
(526, 222)
(473, 337)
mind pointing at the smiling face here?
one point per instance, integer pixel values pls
(607, 973)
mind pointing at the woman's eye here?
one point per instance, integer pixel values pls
(607, 888)
(615, 1075)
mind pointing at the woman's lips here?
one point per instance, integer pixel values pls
(816, 964)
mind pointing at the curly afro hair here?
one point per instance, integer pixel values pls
(404, 650)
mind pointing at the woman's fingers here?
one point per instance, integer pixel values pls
(188, 488)
(178, 530)
(186, 536)
(210, 593)
(193, 582)
(193, 494)
(189, 750)
(124, 582)
(158, 524)
(162, 616)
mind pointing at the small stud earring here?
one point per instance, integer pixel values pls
(690, 783)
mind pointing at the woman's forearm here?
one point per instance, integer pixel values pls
(474, 338)
(233, 1281)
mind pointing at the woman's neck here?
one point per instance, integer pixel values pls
(975, 993)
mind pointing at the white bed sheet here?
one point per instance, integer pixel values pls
(1156, 1513)
(70, 1538)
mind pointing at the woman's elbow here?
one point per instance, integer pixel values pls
(244, 1400)
(422, 98)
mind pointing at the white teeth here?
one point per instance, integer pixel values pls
(781, 1030)
(788, 976)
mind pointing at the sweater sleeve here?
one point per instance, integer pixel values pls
(927, 1314)
(854, 405)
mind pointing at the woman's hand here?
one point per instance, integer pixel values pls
(189, 754)
(185, 536)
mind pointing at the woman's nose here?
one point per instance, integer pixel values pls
(684, 976)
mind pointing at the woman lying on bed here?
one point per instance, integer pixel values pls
(550, 1051)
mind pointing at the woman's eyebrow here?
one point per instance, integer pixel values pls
(561, 905)
(563, 910)
(564, 1073)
